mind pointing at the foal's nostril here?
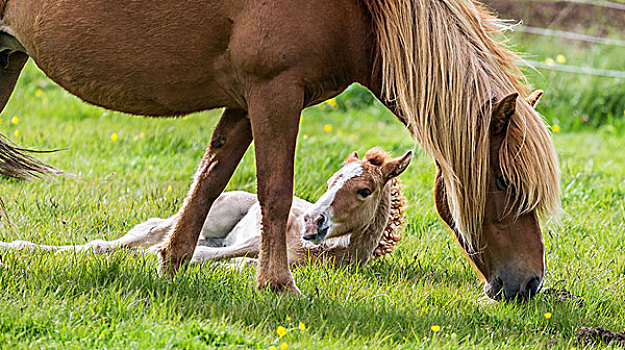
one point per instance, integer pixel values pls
(321, 220)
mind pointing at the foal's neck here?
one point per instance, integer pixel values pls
(362, 243)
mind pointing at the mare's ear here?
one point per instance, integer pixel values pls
(534, 97)
(502, 113)
(352, 158)
(396, 166)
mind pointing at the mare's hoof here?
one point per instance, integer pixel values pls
(168, 263)
(284, 286)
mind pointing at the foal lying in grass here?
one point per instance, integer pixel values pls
(353, 221)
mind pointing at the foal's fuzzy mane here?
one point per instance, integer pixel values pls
(440, 63)
(377, 156)
(392, 232)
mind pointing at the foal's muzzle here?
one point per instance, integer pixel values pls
(316, 227)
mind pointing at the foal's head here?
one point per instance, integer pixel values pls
(509, 254)
(354, 192)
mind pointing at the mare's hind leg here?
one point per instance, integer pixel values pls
(230, 140)
(9, 74)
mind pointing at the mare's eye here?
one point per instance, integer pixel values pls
(364, 193)
(502, 183)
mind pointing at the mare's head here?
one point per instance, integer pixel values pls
(509, 254)
(353, 194)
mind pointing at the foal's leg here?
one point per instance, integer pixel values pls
(275, 113)
(147, 234)
(248, 248)
(230, 140)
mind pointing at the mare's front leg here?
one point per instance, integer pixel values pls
(230, 140)
(274, 110)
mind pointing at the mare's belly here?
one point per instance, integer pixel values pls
(141, 57)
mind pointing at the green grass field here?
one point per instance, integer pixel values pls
(128, 169)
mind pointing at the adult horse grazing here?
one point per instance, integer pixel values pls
(359, 213)
(435, 63)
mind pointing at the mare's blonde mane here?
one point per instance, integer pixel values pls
(440, 64)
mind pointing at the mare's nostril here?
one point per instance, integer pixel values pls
(495, 289)
(532, 287)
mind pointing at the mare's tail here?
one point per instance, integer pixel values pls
(15, 161)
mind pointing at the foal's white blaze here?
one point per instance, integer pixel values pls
(340, 178)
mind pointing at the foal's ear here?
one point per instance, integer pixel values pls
(502, 113)
(396, 166)
(352, 158)
(534, 97)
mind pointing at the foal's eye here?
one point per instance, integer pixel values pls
(502, 183)
(364, 193)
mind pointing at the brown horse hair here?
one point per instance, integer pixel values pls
(441, 62)
(396, 219)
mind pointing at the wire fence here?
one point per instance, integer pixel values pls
(571, 36)
(607, 4)
(574, 36)
(574, 69)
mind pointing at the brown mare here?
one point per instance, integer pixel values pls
(349, 224)
(437, 64)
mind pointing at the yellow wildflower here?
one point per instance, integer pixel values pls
(435, 328)
(332, 103)
(556, 128)
(114, 137)
(288, 318)
(170, 189)
(17, 133)
(547, 315)
(273, 347)
(281, 331)
(453, 335)
(561, 59)
(302, 326)
(15, 120)
(550, 61)
(185, 117)
(142, 135)
(305, 137)
(0, 120)
(38, 93)
(283, 346)
(327, 128)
